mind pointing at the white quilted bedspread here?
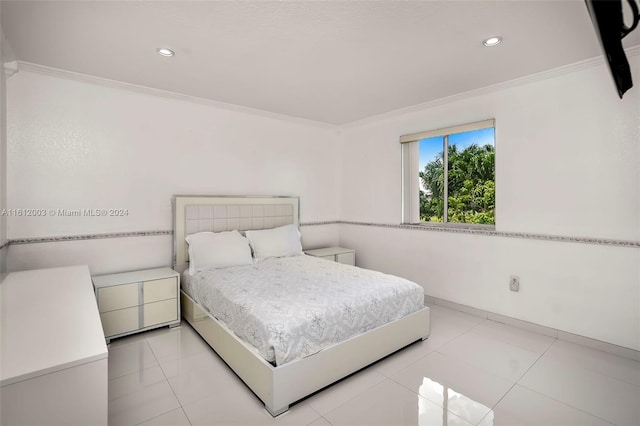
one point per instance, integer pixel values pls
(292, 307)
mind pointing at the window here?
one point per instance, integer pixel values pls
(449, 175)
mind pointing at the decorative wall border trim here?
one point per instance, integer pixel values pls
(102, 236)
(492, 233)
(320, 222)
(473, 231)
(88, 237)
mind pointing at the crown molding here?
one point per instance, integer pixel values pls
(116, 84)
(15, 66)
(10, 68)
(520, 81)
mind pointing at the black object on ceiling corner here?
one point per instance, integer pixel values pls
(608, 22)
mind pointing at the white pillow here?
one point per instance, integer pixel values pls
(276, 242)
(217, 250)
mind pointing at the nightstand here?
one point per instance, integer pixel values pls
(135, 301)
(335, 254)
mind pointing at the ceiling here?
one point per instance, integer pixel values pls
(329, 61)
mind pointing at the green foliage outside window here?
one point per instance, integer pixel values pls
(471, 186)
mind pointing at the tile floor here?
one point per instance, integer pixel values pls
(471, 371)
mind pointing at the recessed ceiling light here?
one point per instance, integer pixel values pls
(492, 41)
(165, 52)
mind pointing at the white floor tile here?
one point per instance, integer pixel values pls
(338, 393)
(523, 325)
(449, 317)
(243, 408)
(141, 406)
(440, 335)
(135, 382)
(620, 368)
(201, 375)
(126, 340)
(200, 361)
(457, 307)
(514, 336)
(523, 407)
(171, 377)
(599, 345)
(613, 400)
(177, 342)
(466, 391)
(320, 422)
(172, 418)
(388, 403)
(129, 358)
(494, 356)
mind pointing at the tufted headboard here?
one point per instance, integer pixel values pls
(198, 213)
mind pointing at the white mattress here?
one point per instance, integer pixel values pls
(289, 308)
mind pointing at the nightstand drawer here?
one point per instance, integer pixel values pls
(120, 321)
(159, 312)
(163, 289)
(347, 258)
(117, 297)
(138, 300)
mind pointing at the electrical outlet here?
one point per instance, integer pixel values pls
(514, 283)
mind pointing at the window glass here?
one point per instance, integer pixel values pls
(456, 177)
(471, 177)
(431, 172)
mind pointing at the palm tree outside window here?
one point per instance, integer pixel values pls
(463, 192)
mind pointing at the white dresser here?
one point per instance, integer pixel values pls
(53, 364)
(130, 302)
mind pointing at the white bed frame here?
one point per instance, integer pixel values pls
(280, 386)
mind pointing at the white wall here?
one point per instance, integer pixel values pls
(567, 163)
(75, 145)
(3, 153)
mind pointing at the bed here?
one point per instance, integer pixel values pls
(278, 375)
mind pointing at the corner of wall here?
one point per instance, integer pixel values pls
(340, 158)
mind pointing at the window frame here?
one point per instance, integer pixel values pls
(410, 174)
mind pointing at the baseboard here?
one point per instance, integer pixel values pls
(537, 328)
